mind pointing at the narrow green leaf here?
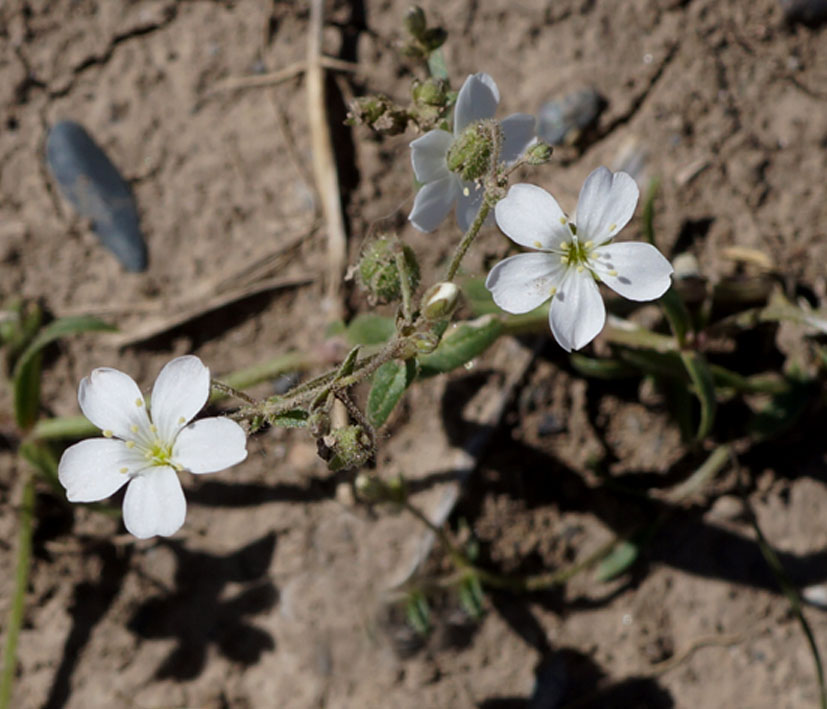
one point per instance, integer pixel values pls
(367, 329)
(346, 368)
(27, 390)
(436, 65)
(295, 418)
(704, 385)
(461, 344)
(64, 427)
(471, 596)
(41, 458)
(602, 368)
(418, 612)
(618, 561)
(676, 313)
(27, 369)
(389, 384)
(783, 410)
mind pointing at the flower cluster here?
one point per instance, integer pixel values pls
(572, 256)
(147, 443)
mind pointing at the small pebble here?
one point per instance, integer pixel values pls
(95, 188)
(564, 120)
(807, 12)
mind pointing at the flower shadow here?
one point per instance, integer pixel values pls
(197, 615)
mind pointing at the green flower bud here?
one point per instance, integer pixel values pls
(414, 21)
(379, 113)
(434, 38)
(470, 154)
(431, 92)
(538, 153)
(345, 448)
(440, 301)
(374, 490)
(378, 270)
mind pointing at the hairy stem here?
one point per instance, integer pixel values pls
(468, 239)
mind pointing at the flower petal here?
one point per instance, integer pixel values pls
(577, 314)
(112, 401)
(154, 504)
(518, 134)
(469, 201)
(433, 202)
(180, 392)
(210, 444)
(477, 99)
(531, 217)
(428, 155)
(641, 271)
(91, 470)
(606, 204)
(523, 282)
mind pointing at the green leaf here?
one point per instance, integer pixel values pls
(676, 313)
(602, 368)
(436, 65)
(42, 459)
(26, 373)
(367, 329)
(295, 418)
(64, 427)
(704, 385)
(418, 612)
(471, 596)
(783, 410)
(389, 384)
(464, 342)
(618, 561)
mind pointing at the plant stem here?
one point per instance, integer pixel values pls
(405, 283)
(468, 239)
(535, 582)
(24, 552)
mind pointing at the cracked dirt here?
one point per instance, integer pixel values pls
(273, 593)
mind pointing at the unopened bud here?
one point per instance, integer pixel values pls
(434, 38)
(345, 448)
(319, 423)
(373, 489)
(470, 154)
(538, 153)
(379, 270)
(414, 21)
(440, 301)
(379, 113)
(431, 92)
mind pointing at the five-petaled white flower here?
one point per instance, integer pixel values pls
(573, 255)
(146, 445)
(477, 100)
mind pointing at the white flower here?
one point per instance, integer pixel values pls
(146, 448)
(477, 100)
(574, 255)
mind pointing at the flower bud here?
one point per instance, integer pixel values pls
(379, 113)
(470, 154)
(440, 301)
(431, 92)
(414, 21)
(373, 489)
(538, 153)
(379, 271)
(345, 448)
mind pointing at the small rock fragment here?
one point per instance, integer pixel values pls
(89, 180)
(564, 120)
